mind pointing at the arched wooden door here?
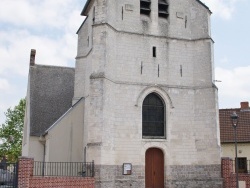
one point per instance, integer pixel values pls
(154, 168)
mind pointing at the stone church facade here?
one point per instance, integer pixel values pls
(144, 104)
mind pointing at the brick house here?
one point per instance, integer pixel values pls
(141, 101)
(243, 135)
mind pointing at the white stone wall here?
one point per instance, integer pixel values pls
(31, 146)
(191, 127)
(228, 150)
(64, 141)
(190, 12)
(126, 53)
(36, 148)
(110, 77)
(26, 128)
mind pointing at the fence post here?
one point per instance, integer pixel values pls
(227, 171)
(25, 171)
(93, 168)
(16, 167)
(43, 169)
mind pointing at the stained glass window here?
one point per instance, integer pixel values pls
(153, 117)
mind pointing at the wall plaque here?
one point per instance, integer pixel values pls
(129, 7)
(127, 168)
(180, 15)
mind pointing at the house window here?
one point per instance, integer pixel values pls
(242, 164)
(153, 117)
(145, 7)
(162, 8)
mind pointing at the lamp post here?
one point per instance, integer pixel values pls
(234, 118)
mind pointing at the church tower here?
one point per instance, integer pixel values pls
(145, 71)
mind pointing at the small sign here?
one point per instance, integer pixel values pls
(180, 15)
(127, 168)
(129, 7)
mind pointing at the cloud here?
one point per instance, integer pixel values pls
(222, 8)
(6, 90)
(37, 14)
(235, 85)
(15, 50)
(49, 26)
(224, 60)
(4, 85)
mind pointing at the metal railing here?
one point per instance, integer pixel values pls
(243, 166)
(8, 175)
(70, 169)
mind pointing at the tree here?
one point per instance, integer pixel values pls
(11, 132)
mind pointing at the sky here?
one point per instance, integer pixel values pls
(50, 26)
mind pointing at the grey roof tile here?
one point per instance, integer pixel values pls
(51, 93)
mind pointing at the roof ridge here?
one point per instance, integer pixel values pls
(230, 109)
(55, 66)
(88, 2)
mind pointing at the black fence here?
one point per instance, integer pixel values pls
(70, 169)
(8, 175)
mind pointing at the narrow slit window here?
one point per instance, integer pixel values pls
(141, 67)
(94, 15)
(145, 7)
(122, 13)
(158, 70)
(185, 21)
(163, 8)
(154, 51)
(181, 71)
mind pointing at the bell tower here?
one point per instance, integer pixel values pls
(145, 70)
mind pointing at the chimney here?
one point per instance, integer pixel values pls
(32, 57)
(244, 105)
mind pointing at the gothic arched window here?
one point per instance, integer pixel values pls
(153, 117)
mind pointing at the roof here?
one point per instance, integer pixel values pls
(204, 5)
(83, 13)
(85, 8)
(64, 115)
(51, 93)
(227, 130)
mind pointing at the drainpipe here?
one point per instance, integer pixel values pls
(85, 154)
(42, 140)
